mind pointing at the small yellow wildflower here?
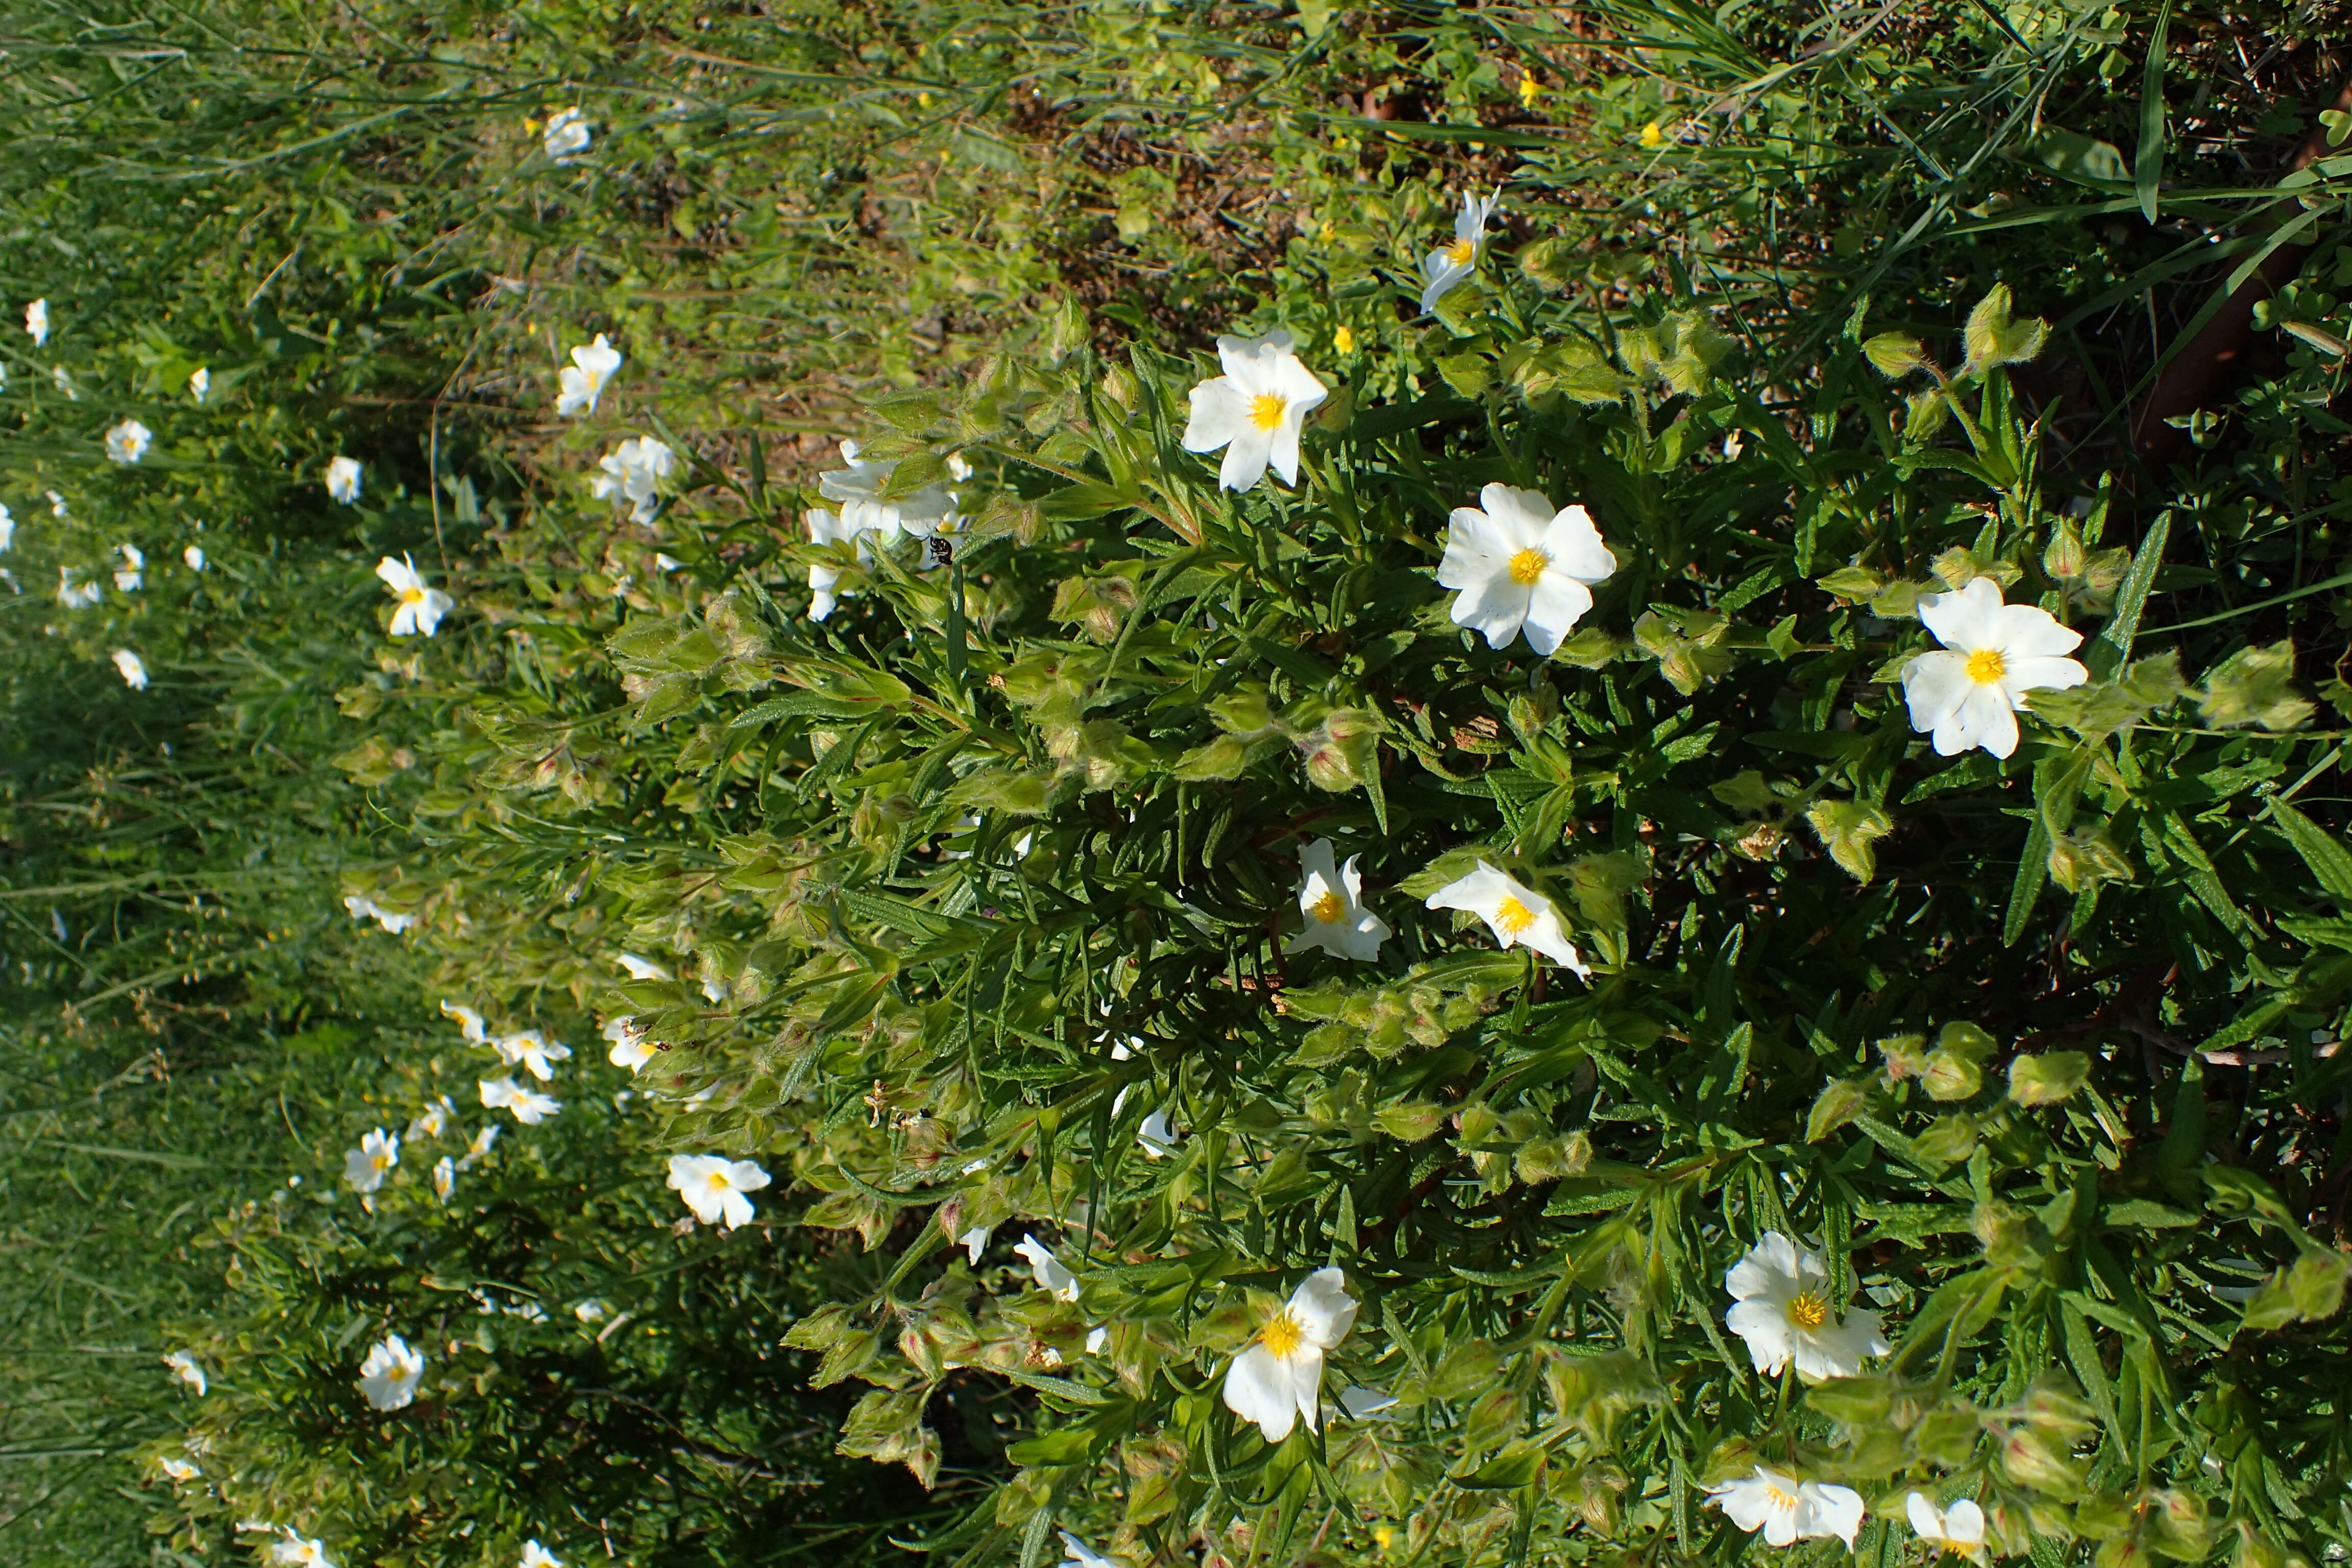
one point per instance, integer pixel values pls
(1529, 88)
(1653, 135)
(1344, 340)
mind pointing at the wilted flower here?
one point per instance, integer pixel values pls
(1332, 901)
(1050, 1273)
(178, 1469)
(470, 1021)
(366, 1166)
(634, 471)
(132, 576)
(582, 381)
(530, 1107)
(529, 1049)
(200, 384)
(567, 134)
(295, 1551)
(1080, 1555)
(1254, 411)
(1784, 1313)
(1513, 912)
(36, 322)
(631, 1048)
(183, 1366)
(643, 968)
(975, 1241)
(534, 1555)
(858, 487)
(128, 442)
(1788, 1510)
(1278, 1381)
(713, 1186)
(195, 556)
(133, 669)
(389, 1375)
(1959, 1528)
(362, 907)
(75, 595)
(1441, 268)
(416, 607)
(343, 480)
(1968, 692)
(444, 1178)
(1521, 566)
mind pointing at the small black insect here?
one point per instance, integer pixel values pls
(941, 551)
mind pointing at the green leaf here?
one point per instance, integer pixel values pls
(2321, 850)
(2147, 168)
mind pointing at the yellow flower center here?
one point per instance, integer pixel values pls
(380, 1162)
(1527, 565)
(1266, 409)
(1780, 1499)
(1283, 1336)
(1462, 252)
(1809, 1311)
(1985, 667)
(1327, 909)
(1512, 917)
(718, 1180)
(412, 596)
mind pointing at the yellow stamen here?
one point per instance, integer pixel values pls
(381, 1164)
(1283, 1336)
(718, 1180)
(1780, 1499)
(1266, 409)
(1327, 909)
(412, 596)
(1527, 565)
(1462, 252)
(1512, 917)
(1986, 665)
(1809, 1311)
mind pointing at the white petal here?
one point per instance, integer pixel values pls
(1575, 547)
(2029, 631)
(2041, 673)
(1220, 414)
(1764, 1326)
(1281, 449)
(1555, 602)
(1246, 458)
(1964, 620)
(1935, 685)
(1987, 719)
(1925, 1520)
(1259, 1388)
(1496, 608)
(1323, 1308)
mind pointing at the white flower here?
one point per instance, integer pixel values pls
(1155, 1137)
(529, 1049)
(567, 134)
(431, 1122)
(1050, 1273)
(1514, 914)
(133, 669)
(631, 1048)
(444, 1178)
(858, 487)
(132, 576)
(592, 1310)
(975, 1241)
(582, 381)
(64, 383)
(75, 595)
(634, 471)
(1332, 901)
(1278, 1381)
(713, 1186)
(470, 1021)
(534, 1555)
(479, 1147)
(181, 1470)
(195, 556)
(1968, 692)
(530, 1107)
(643, 968)
(389, 1376)
(1788, 1510)
(1518, 565)
(364, 907)
(1254, 410)
(1441, 268)
(366, 1166)
(343, 480)
(1363, 1403)
(36, 322)
(183, 1366)
(294, 1552)
(416, 607)
(7, 530)
(826, 528)
(200, 384)
(1783, 1312)
(56, 503)
(128, 442)
(1959, 1528)
(1080, 1555)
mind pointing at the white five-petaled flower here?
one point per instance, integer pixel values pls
(529, 1049)
(479, 1147)
(1967, 693)
(583, 382)
(632, 1047)
(851, 525)
(1787, 1510)
(1784, 1312)
(76, 595)
(297, 1552)
(178, 1469)
(200, 384)
(133, 669)
(1254, 411)
(1959, 1528)
(534, 1555)
(444, 1178)
(530, 1107)
(184, 1367)
(431, 1122)
(858, 487)
(128, 442)
(1050, 1273)
(416, 607)
(1449, 264)
(195, 556)
(642, 968)
(1521, 566)
(1278, 1381)
(366, 1166)
(1515, 914)
(470, 1021)
(132, 576)
(567, 134)
(390, 1374)
(364, 907)
(1078, 1555)
(343, 480)
(714, 1186)
(634, 471)
(1332, 901)
(36, 322)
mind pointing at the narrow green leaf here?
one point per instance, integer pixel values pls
(2148, 167)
